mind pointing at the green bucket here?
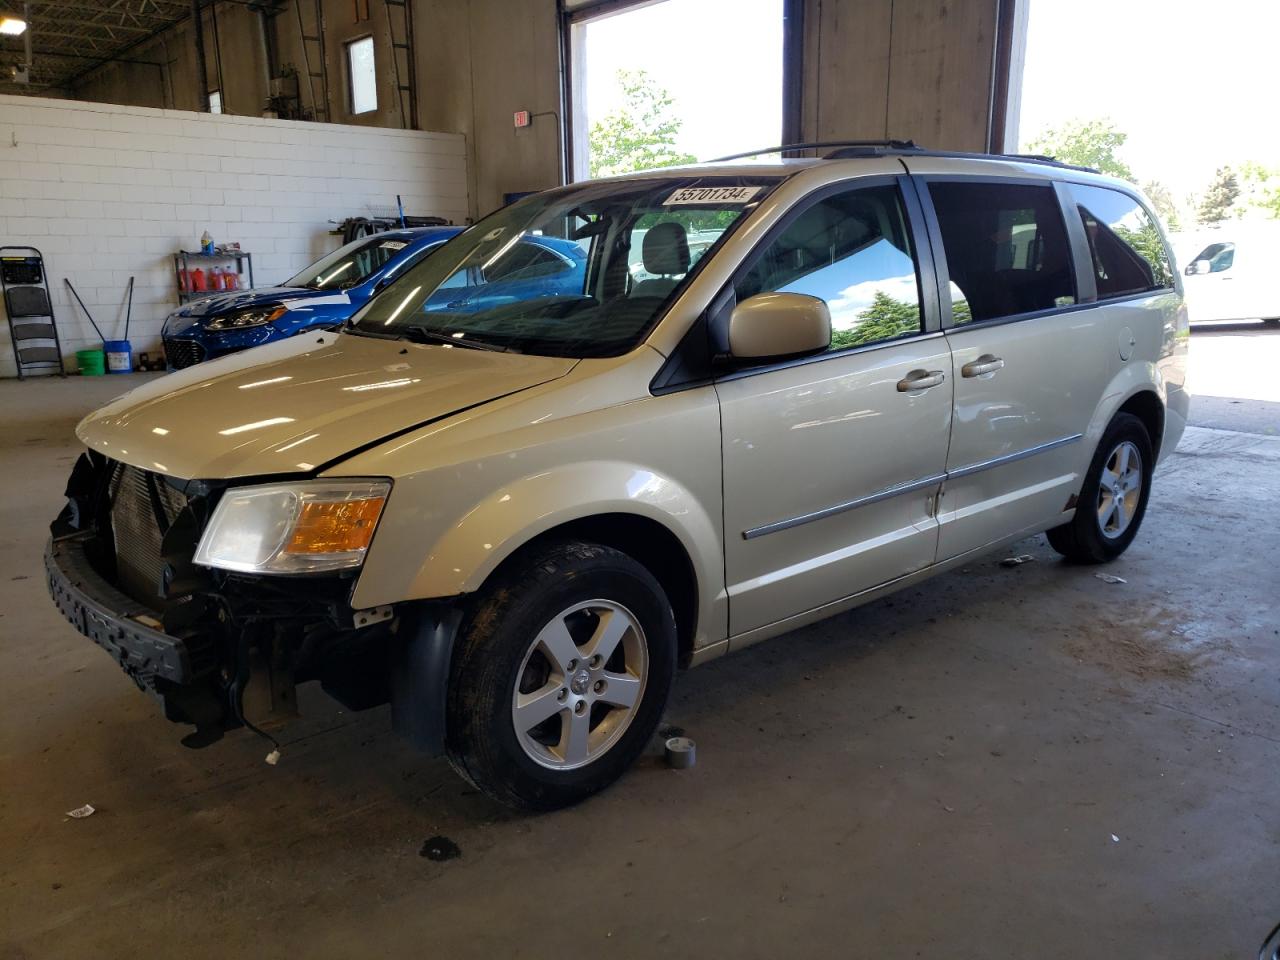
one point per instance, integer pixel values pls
(91, 363)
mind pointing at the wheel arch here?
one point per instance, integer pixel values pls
(1138, 389)
(1147, 406)
(645, 540)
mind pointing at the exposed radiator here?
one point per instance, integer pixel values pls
(138, 532)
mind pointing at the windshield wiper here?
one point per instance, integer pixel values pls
(423, 335)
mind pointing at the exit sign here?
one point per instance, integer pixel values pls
(522, 118)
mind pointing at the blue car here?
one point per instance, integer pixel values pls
(324, 293)
(334, 287)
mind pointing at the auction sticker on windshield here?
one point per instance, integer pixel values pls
(711, 195)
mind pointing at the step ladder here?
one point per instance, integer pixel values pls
(315, 63)
(24, 288)
(402, 51)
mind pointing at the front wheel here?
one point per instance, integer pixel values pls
(1113, 499)
(560, 677)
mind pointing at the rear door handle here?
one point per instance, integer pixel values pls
(920, 380)
(984, 365)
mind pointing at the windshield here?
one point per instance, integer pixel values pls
(349, 265)
(577, 272)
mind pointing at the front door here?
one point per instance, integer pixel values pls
(831, 463)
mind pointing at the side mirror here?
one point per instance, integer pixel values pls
(772, 326)
(1198, 267)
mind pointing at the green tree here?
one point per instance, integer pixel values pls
(1162, 199)
(641, 134)
(1086, 143)
(884, 319)
(1260, 189)
(1221, 196)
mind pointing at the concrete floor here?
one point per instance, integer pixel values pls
(1004, 762)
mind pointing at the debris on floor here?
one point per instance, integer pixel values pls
(1108, 578)
(439, 849)
(1016, 561)
(681, 753)
(273, 757)
(1114, 838)
(79, 813)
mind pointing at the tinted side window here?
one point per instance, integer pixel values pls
(854, 251)
(1129, 255)
(1006, 248)
(1220, 256)
(524, 262)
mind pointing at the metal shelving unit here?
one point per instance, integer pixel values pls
(183, 259)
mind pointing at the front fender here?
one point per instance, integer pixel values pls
(514, 515)
(469, 551)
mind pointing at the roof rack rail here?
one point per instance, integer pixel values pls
(890, 145)
(848, 149)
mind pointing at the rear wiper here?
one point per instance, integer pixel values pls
(423, 335)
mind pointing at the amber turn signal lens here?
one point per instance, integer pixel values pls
(335, 527)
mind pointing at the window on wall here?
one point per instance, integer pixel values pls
(1128, 252)
(215, 101)
(852, 250)
(362, 75)
(1006, 249)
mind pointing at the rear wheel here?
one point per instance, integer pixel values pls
(1113, 499)
(560, 677)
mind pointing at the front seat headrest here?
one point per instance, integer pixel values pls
(666, 250)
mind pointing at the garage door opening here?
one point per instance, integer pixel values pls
(674, 81)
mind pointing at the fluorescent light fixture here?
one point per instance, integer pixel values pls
(12, 25)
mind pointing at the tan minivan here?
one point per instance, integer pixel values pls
(513, 511)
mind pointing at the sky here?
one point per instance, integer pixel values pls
(1194, 84)
(720, 59)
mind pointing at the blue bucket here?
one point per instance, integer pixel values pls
(119, 356)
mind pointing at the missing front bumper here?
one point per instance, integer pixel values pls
(126, 629)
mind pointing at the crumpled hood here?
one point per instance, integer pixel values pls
(289, 407)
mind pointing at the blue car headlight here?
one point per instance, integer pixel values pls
(254, 317)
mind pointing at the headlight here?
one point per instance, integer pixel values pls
(247, 318)
(293, 527)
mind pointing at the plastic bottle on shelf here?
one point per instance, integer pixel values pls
(197, 280)
(206, 243)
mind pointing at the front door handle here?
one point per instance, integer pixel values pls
(984, 365)
(920, 380)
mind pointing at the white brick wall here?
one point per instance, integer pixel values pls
(108, 192)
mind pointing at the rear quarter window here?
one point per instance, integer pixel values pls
(1128, 252)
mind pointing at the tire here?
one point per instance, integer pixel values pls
(1101, 529)
(513, 664)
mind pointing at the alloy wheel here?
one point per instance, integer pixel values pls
(1119, 490)
(579, 685)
